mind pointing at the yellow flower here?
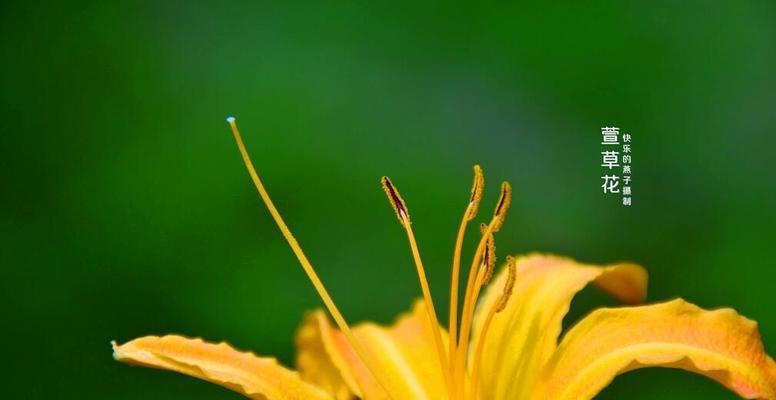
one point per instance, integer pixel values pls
(506, 347)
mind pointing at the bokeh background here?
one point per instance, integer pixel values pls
(126, 209)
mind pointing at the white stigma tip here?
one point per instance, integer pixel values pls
(230, 119)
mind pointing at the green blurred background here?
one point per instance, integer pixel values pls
(126, 209)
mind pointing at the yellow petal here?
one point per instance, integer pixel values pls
(719, 344)
(245, 373)
(319, 362)
(524, 335)
(404, 355)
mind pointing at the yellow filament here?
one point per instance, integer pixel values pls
(478, 354)
(495, 309)
(308, 268)
(430, 310)
(475, 282)
(400, 207)
(469, 214)
(463, 351)
(476, 273)
(454, 277)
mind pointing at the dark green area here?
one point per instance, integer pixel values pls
(126, 209)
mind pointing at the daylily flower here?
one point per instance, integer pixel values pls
(508, 344)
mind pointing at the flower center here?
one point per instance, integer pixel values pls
(453, 360)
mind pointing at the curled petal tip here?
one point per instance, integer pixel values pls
(116, 355)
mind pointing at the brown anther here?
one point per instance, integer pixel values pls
(477, 188)
(509, 285)
(504, 200)
(488, 257)
(399, 206)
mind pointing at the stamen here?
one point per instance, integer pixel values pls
(509, 285)
(504, 201)
(399, 206)
(471, 211)
(401, 211)
(308, 268)
(477, 188)
(475, 282)
(489, 258)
